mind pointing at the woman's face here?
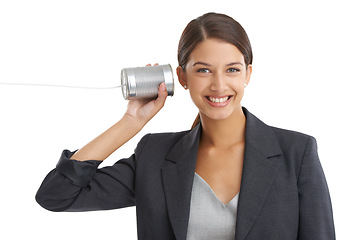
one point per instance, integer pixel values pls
(216, 76)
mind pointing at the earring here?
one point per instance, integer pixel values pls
(185, 86)
(245, 85)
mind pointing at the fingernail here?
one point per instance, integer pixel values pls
(163, 87)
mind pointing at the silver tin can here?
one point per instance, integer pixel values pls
(143, 82)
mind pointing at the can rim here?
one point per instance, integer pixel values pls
(169, 79)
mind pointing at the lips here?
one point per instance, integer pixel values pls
(218, 101)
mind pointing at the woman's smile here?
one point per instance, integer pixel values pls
(218, 101)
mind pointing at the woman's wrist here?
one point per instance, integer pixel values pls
(133, 122)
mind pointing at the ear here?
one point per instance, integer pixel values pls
(248, 74)
(181, 76)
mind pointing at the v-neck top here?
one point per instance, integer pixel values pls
(209, 217)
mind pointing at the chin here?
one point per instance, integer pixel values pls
(216, 116)
(222, 114)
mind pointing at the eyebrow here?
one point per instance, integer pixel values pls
(207, 64)
(234, 63)
(201, 63)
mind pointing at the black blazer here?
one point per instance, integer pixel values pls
(284, 194)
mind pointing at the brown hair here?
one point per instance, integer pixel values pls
(215, 26)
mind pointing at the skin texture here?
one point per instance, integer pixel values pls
(216, 69)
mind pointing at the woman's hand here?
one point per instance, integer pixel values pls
(143, 110)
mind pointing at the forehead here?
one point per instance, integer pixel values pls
(214, 51)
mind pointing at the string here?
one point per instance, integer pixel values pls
(52, 85)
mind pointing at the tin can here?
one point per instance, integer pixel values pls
(143, 82)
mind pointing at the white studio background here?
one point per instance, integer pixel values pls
(305, 78)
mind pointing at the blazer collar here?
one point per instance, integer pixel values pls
(259, 170)
(260, 136)
(261, 163)
(178, 174)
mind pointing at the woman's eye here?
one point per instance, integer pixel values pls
(232, 70)
(203, 70)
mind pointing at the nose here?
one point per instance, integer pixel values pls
(218, 83)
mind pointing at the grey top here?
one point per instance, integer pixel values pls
(209, 217)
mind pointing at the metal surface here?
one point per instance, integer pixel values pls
(143, 82)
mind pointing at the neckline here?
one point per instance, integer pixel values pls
(208, 186)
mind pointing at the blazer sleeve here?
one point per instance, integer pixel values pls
(80, 186)
(315, 216)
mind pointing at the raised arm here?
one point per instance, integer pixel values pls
(138, 113)
(76, 184)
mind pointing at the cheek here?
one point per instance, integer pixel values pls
(237, 83)
(242, 81)
(191, 79)
(195, 94)
(196, 85)
(239, 92)
(196, 90)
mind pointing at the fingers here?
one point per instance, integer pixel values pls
(149, 65)
(162, 94)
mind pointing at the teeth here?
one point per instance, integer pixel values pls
(218, 100)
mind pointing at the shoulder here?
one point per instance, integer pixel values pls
(294, 143)
(165, 138)
(271, 135)
(289, 141)
(159, 141)
(290, 136)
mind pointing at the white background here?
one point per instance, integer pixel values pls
(305, 78)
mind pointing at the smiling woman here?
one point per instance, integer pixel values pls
(216, 75)
(230, 177)
(218, 28)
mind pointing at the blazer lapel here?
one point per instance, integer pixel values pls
(259, 171)
(178, 173)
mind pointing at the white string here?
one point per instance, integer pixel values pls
(51, 85)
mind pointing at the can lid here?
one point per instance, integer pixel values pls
(124, 85)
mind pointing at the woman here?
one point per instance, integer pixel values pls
(230, 177)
